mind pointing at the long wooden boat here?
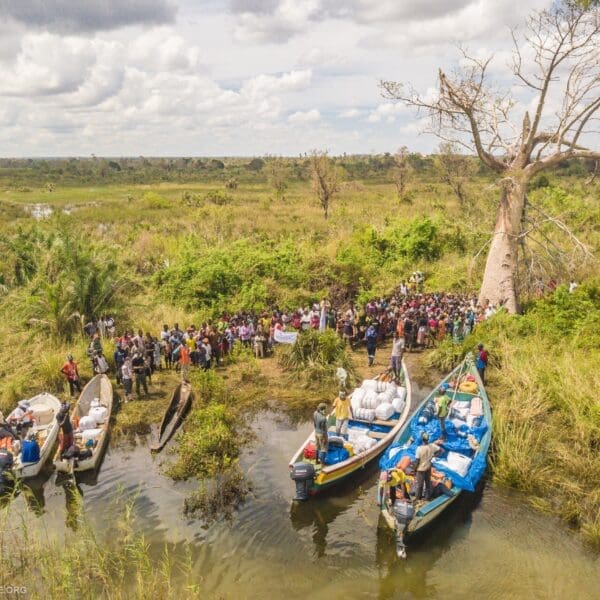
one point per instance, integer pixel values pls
(427, 511)
(99, 387)
(44, 407)
(176, 411)
(384, 432)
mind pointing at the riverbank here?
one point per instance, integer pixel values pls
(131, 539)
(543, 383)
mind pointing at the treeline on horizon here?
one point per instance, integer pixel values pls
(37, 172)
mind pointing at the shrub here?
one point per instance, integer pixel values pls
(154, 201)
(218, 197)
(541, 181)
(209, 444)
(315, 357)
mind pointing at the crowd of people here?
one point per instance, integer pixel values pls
(414, 320)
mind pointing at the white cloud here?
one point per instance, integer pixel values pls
(387, 112)
(160, 50)
(46, 65)
(263, 85)
(350, 113)
(290, 17)
(321, 57)
(309, 116)
(214, 83)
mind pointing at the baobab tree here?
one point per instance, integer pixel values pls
(556, 63)
(325, 177)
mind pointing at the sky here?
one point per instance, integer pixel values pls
(231, 77)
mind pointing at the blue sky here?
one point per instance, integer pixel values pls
(244, 77)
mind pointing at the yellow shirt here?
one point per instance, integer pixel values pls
(342, 408)
(397, 476)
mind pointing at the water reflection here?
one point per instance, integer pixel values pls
(331, 547)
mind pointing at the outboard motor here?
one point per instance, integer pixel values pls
(303, 474)
(7, 479)
(403, 513)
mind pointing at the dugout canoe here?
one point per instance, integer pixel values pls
(427, 511)
(385, 432)
(98, 387)
(179, 405)
(44, 407)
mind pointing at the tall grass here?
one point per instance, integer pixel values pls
(312, 361)
(115, 564)
(546, 410)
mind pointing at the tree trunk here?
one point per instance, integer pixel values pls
(500, 276)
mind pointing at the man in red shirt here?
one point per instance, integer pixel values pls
(184, 361)
(71, 372)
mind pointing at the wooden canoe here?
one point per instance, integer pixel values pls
(385, 432)
(44, 407)
(174, 415)
(98, 387)
(427, 511)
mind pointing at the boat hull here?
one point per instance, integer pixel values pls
(48, 429)
(98, 387)
(429, 512)
(330, 477)
(180, 403)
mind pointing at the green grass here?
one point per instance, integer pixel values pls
(116, 564)
(543, 385)
(149, 256)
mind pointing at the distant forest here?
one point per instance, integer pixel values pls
(37, 172)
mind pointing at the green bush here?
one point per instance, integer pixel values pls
(154, 201)
(209, 444)
(315, 357)
(546, 416)
(218, 197)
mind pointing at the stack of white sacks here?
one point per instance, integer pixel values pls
(359, 439)
(88, 424)
(377, 400)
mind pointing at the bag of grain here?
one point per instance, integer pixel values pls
(87, 422)
(384, 411)
(398, 404)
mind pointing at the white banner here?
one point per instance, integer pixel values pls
(285, 337)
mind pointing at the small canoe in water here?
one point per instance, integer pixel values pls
(368, 437)
(44, 407)
(174, 415)
(96, 397)
(463, 458)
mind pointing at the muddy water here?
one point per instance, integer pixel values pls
(490, 545)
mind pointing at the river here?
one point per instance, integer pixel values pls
(490, 545)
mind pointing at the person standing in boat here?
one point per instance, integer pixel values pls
(442, 406)
(343, 413)
(320, 423)
(425, 453)
(66, 427)
(402, 507)
(481, 362)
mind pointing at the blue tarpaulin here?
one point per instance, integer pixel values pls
(456, 441)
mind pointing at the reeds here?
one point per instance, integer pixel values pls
(543, 387)
(116, 564)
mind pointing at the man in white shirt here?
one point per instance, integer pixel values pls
(425, 453)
